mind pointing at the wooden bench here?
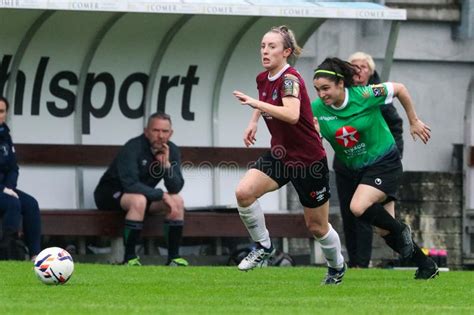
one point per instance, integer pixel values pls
(213, 224)
(91, 222)
(206, 224)
(198, 224)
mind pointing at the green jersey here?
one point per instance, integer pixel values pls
(356, 130)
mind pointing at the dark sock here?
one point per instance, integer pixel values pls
(391, 242)
(131, 235)
(173, 235)
(377, 215)
(419, 258)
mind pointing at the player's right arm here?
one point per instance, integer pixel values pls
(251, 130)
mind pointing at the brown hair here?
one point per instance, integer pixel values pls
(289, 40)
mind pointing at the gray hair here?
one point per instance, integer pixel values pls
(159, 115)
(363, 56)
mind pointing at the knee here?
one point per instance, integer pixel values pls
(357, 208)
(318, 229)
(244, 196)
(137, 204)
(176, 212)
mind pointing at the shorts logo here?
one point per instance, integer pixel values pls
(347, 136)
(144, 162)
(319, 194)
(378, 181)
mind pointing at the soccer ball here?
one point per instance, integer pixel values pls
(54, 265)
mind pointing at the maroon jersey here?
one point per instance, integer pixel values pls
(292, 143)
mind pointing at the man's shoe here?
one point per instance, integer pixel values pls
(405, 243)
(334, 276)
(428, 271)
(258, 257)
(134, 262)
(178, 262)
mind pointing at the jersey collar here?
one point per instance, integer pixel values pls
(276, 76)
(346, 101)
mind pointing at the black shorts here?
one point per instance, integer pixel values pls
(311, 182)
(107, 198)
(385, 175)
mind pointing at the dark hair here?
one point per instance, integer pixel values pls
(289, 40)
(336, 70)
(159, 115)
(3, 99)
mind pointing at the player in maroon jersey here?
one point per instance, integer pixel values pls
(296, 155)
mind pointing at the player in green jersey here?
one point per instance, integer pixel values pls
(349, 118)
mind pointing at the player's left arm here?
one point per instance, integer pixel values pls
(417, 127)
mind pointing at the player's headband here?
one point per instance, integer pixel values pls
(328, 72)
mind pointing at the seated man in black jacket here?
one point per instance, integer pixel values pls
(358, 234)
(129, 184)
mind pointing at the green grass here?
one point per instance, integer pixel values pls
(103, 289)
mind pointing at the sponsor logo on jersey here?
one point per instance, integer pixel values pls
(347, 136)
(379, 90)
(327, 118)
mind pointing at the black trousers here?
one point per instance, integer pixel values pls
(358, 234)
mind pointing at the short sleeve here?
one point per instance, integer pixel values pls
(290, 86)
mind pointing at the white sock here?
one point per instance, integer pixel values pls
(331, 248)
(254, 220)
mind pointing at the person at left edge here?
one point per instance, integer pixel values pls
(16, 207)
(129, 185)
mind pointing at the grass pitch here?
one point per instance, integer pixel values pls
(103, 289)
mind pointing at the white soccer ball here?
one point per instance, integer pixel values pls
(54, 265)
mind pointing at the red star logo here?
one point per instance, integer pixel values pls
(347, 136)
